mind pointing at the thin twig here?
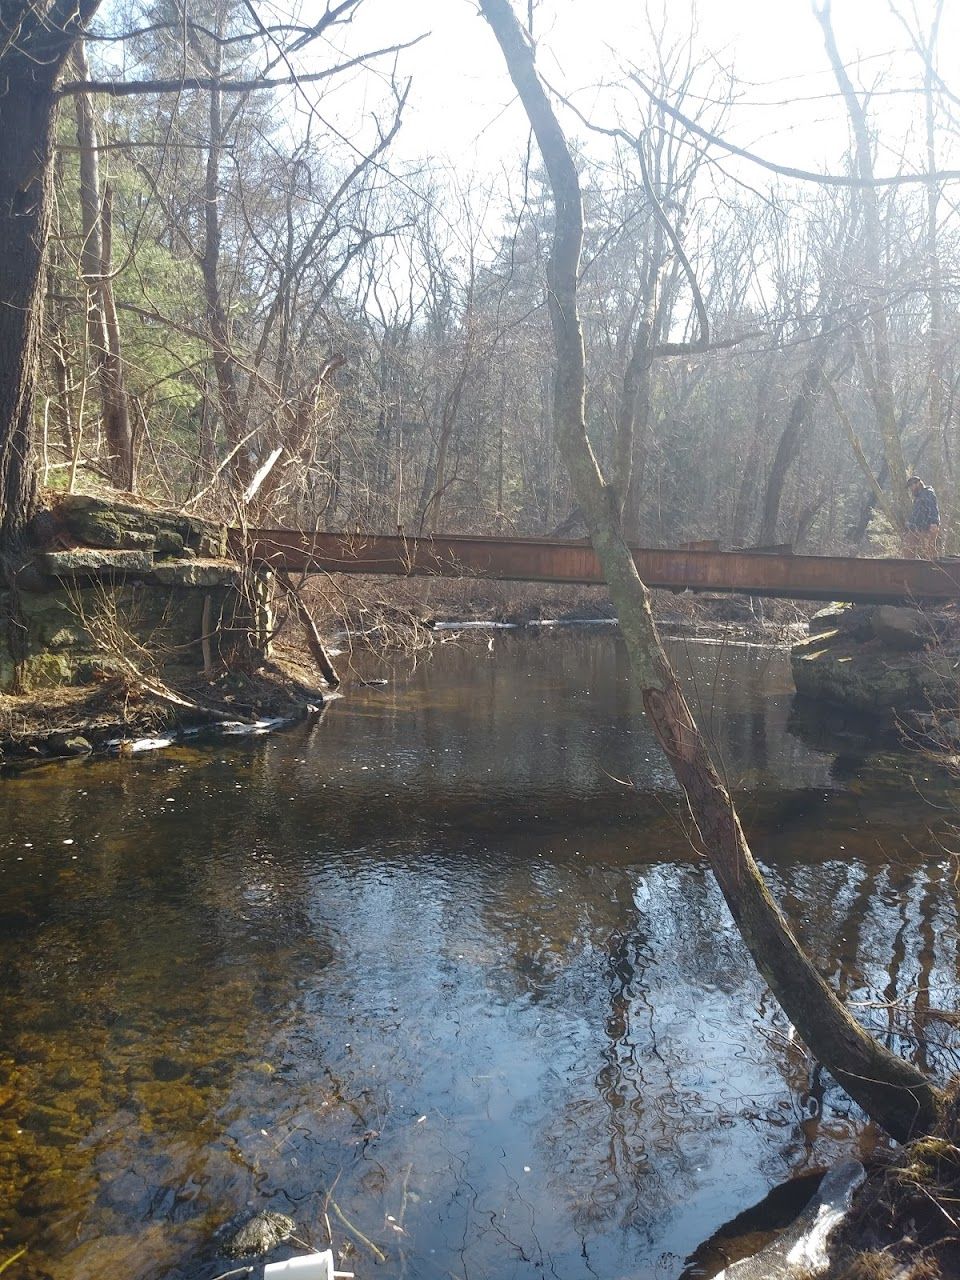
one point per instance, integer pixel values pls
(12, 1259)
(377, 1253)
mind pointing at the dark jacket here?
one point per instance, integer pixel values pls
(925, 511)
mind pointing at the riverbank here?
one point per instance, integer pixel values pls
(130, 621)
(115, 714)
(354, 615)
(369, 605)
(903, 1223)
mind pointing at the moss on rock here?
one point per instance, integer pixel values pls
(103, 522)
(103, 605)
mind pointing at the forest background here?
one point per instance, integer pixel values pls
(265, 302)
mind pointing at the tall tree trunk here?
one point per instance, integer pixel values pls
(634, 395)
(26, 127)
(741, 524)
(96, 267)
(935, 275)
(224, 363)
(63, 409)
(653, 308)
(116, 402)
(790, 440)
(435, 481)
(29, 68)
(891, 1090)
(878, 371)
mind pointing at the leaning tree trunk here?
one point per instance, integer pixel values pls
(893, 1092)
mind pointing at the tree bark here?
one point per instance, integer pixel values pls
(894, 1093)
(29, 66)
(26, 121)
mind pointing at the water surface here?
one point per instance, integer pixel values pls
(440, 974)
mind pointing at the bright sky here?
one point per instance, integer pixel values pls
(463, 108)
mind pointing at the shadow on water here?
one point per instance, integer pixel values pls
(441, 975)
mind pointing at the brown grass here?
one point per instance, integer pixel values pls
(907, 1218)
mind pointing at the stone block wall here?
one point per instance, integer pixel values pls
(122, 588)
(99, 522)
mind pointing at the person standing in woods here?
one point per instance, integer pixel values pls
(923, 526)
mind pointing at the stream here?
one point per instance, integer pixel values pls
(440, 974)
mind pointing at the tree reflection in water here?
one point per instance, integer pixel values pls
(447, 961)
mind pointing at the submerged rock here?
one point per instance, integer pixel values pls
(261, 1234)
(802, 1250)
(69, 744)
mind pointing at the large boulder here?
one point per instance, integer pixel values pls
(872, 677)
(852, 620)
(903, 628)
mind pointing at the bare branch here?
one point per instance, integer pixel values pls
(183, 84)
(788, 171)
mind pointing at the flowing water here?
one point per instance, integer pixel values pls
(440, 975)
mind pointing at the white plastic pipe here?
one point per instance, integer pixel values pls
(309, 1266)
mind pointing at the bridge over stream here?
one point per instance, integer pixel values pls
(768, 572)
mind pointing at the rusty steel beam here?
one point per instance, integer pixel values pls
(756, 573)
